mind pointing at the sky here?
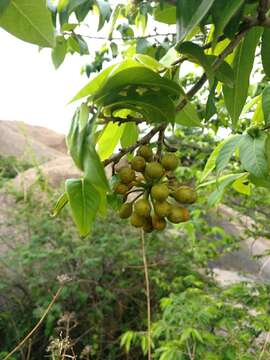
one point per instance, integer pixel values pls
(31, 89)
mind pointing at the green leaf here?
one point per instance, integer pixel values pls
(59, 51)
(258, 117)
(196, 54)
(188, 116)
(253, 156)
(189, 14)
(265, 51)
(84, 201)
(148, 61)
(116, 13)
(154, 106)
(225, 74)
(109, 139)
(235, 97)
(211, 108)
(222, 13)
(104, 12)
(130, 134)
(242, 185)
(3, 5)
(165, 13)
(29, 20)
(78, 44)
(94, 169)
(211, 163)
(61, 202)
(266, 104)
(226, 151)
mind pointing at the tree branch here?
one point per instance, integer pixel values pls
(107, 119)
(144, 140)
(262, 10)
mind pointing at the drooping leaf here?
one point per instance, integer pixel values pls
(59, 51)
(266, 105)
(94, 169)
(188, 116)
(109, 139)
(211, 163)
(189, 14)
(222, 13)
(211, 108)
(29, 20)
(104, 12)
(242, 185)
(265, 51)
(253, 156)
(235, 97)
(165, 14)
(226, 151)
(61, 202)
(130, 134)
(84, 200)
(113, 19)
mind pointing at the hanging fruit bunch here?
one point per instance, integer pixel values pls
(151, 193)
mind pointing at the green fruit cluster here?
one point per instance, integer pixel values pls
(157, 197)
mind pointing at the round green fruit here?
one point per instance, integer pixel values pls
(154, 170)
(125, 210)
(142, 207)
(178, 214)
(162, 209)
(138, 163)
(185, 195)
(146, 152)
(136, 220)
(158, 223)
(160, 192)
(169, 162)
(120, 188)
(126, 175)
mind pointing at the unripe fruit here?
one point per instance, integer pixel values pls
(154, 170)
(160, 192)
(125, 210)
(126, 175)
(169, 162)
(185, 195)
(158, 223)
(138, 163)
(178, 214)
(146, 152)
(120, 188)
(142, 207)
(136, 220)
(162, 209)
(148, 226)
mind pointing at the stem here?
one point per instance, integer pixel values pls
(28, 336)
(148, 299)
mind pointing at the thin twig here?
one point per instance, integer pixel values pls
(148, 298)
(118, 37)
(28, 336)
(107, 119)
(160, 141)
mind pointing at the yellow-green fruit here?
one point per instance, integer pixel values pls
(126, 175)
(138, 163)
(158, 223)
(120, 188)
(142, 207)
(125, 210)
(178, 214)
(148, 226)
(146, 152)
(154, 170)
(185, 195)
(160, 192)
(169, 162)
(162, 209)
(136, 220)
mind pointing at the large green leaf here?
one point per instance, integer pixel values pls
(189, 14)
(235, 97)
(253, 155)
(59, 51)
(130, 134)
(265, 51)
(222, 13)
(188, 116)
(29, 20)
(266, 104)
(104, 12)
(109, 139)
(3, 5)
(154, 106)
(211, 163)
(165, 13)
(226, 151)
(94, 169)
(84, 201)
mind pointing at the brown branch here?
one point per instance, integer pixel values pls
(262, 10)
(160, 141)
(144, 140)
(107, 119)
(28, 336)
